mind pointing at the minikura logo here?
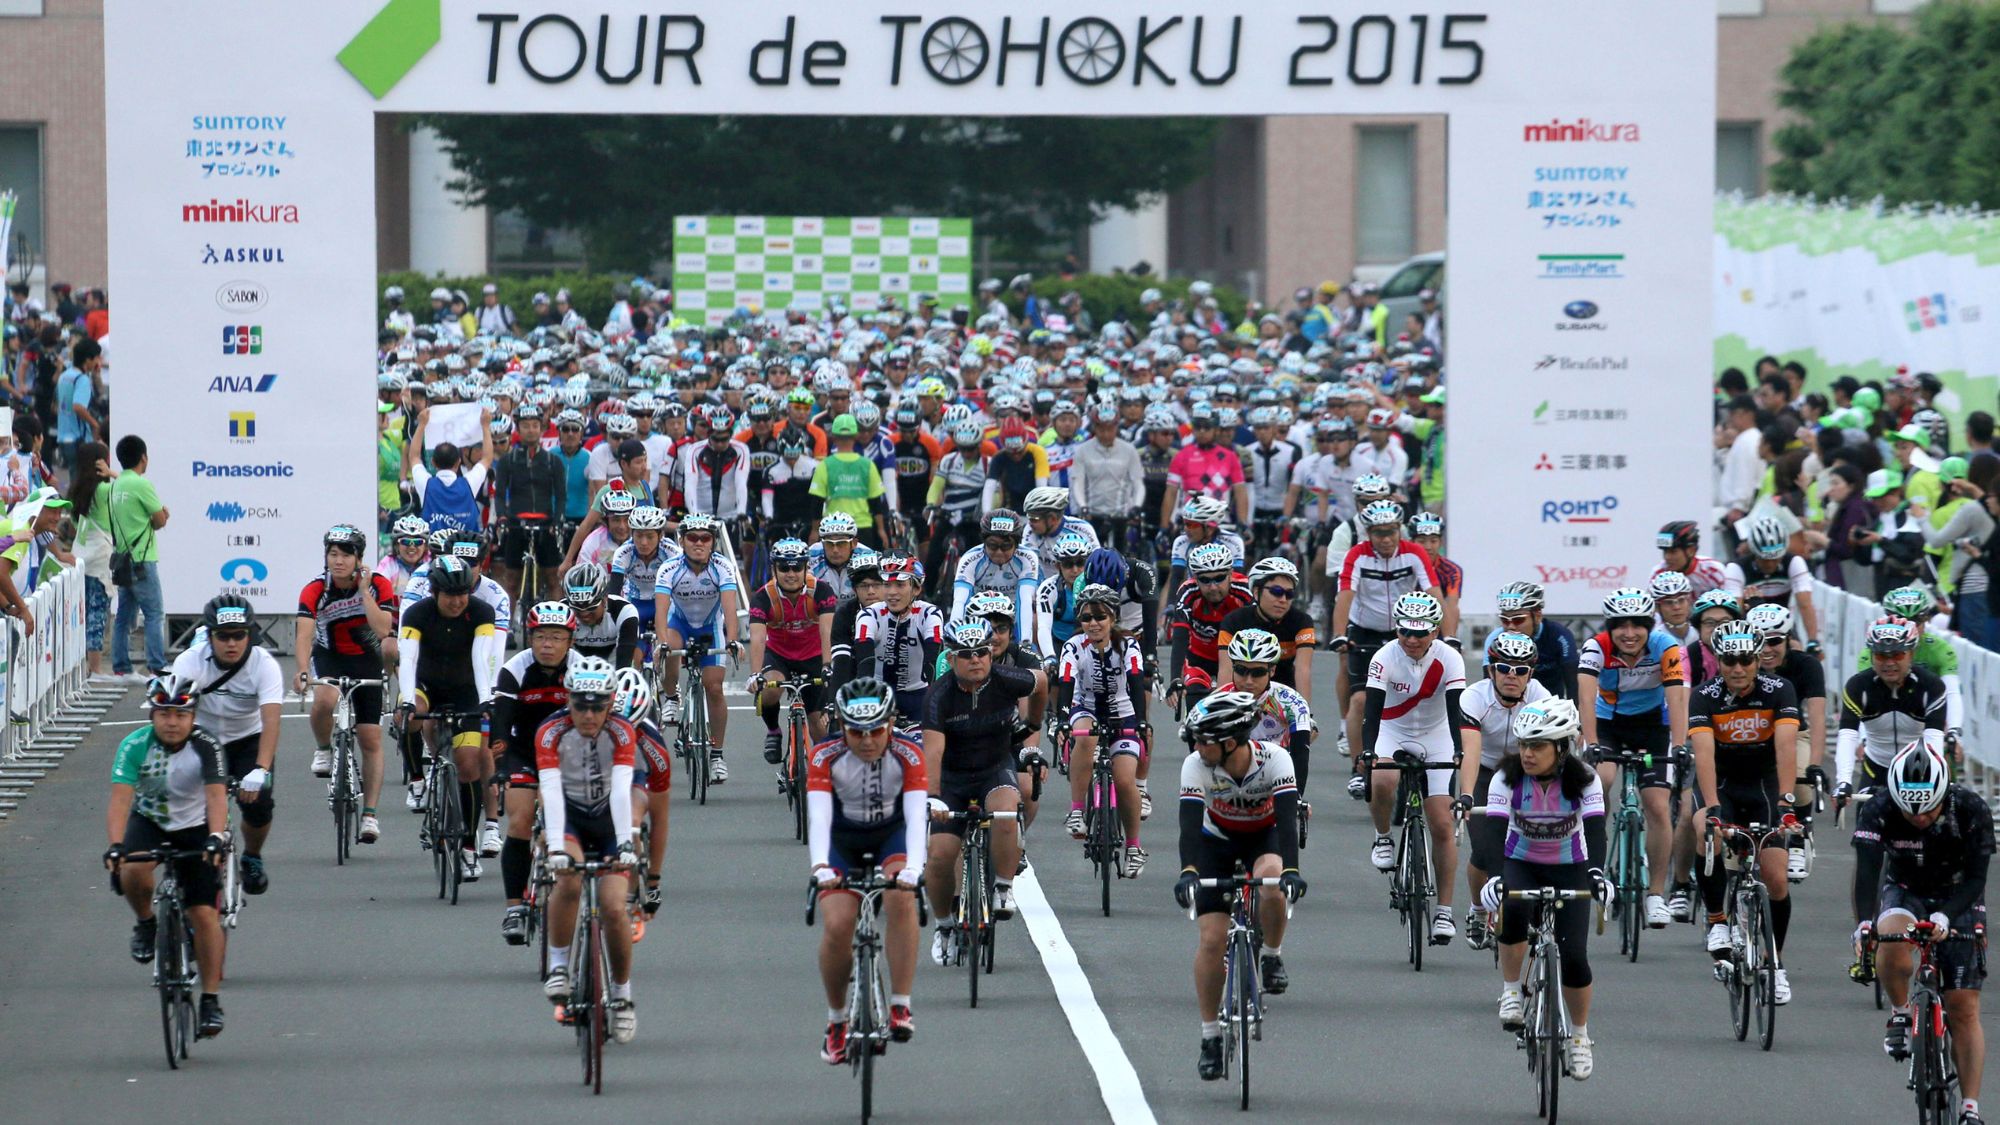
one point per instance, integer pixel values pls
(240, 211)
(241, 384)
(1579, 511)
(1581, 130)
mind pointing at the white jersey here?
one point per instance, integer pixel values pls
(1756, 587)
(695, 592)
(1269, 472)
(1044, 549)
(1102, 678)
(1248, 804)
(899, 641)
(1326, 488)
(1414, 693)
(639, 574)
(1177, 556)
(1281, 713)
(235, 710)
(1494, 720)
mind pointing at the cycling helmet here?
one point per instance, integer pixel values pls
(1549, 720)
(968, 635)
(1254, 646)
(1670, 584)
(1417, 610)
(1105, 412)
(723, 421)
(1070, 545)
(591, 677)
(615, 501)
(932, 387)
(1001, 522)
(646, 517)
(502, 427)
(1382, 513)
(1628, 601)
(793, 442)
(1768, 538)
(584, 585)
(1769, 620)
(1891, 635)
(1370, 487)
(1911, 603)
(800, 395)
(1106, 567)
(1272, 567)
(526, 411)
(1511, 648)
(1718, 599)
(1204, 509)
(345, 536)
(171, 693)
(898, 568)
(1221, 716)
(569, 419)
(836, 525)
(1519, 597)
(1101, 595)
(1734, 638)
(955, 413)
(990, 603)
(631, 695)
(865, 704)
(620, 425)
(450, 575)
(227, 611)
(555, 615)
(1426, 523)
(1210, 558)
(1046, 499)
(1013, 435)
(863, 562)
(967, 433)
(699, 521)
(1919, 779)
(791, 551)
(1681, 534)
(467, 545)
(440, 540)
(411, 527)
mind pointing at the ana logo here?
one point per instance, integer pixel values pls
(1579, 511)
(212, 469)
(242, 297)
(241, 255)
(242, 339)
(243, 572)
(242, 426)
(1581, 130)
(241, 384)
(229, 511)
(1581, 267)
(1596, 577)
(240, 211)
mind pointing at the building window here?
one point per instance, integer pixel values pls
(1895, 7)
(20, 7)
(21, 173)
(1739, 7)
(518, 246)
(1385, 209)
(1739, 158)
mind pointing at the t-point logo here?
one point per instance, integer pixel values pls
(1579, 511)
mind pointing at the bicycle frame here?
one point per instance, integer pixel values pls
(1242, 1009)
(1627, 852)
(588, 1015)
(867, 999)
(344, 789)
(973, 927)
(1933, 1074)
(1413, 885)
(1545, 1026)
(1753, 956)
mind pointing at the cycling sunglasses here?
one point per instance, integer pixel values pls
(1513, 669)
(230, 635)
(1070, 564)
(590, 705)
(1252, 672)
(1212, 579)
(412, 541)
(1087, 618)
(999, 544)
(1279, 591)
(1735, 661)
(697, 537)
(1413, 634)
(1777, 642)
(787, 568)
(1510, 620)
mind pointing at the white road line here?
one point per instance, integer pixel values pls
(1117, 1082)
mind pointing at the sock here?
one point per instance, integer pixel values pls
(558, 957)
(1076, 806)
(1510, 987)
(212, 998)
(326, 747)
(1895, 1010)
(368, 810)
(1579, 1031)
(621, 991)
(1781, 919)
(899, 999)
(1132, 841)
(1969, 1105)
(770, 713)
(836, 1015)
(1211, 1030)
(1142, 786)
(517, 862)
(1273, 951)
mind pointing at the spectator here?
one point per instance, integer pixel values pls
(1979, 439)
(90, 507)
(75, 391)
(1847, 511)
(495, 319)
(1743, 467)
(136, 516)
(1965, 525)
(34, 555)
(18, 475)
(67, 310)
(1731, 383)
(1895, 541)
(96, 313)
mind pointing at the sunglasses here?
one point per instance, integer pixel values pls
(697, 537)
(1413, 634)
(1733, 661)
(787, 568)
(229, 634)
(999, 544)
(1252, 673)
(1513, 669)
(1211, 579)
(1279, 591)
(589, 707)
(413, 541)
(1509, 620)
(1090, 618)
(1776, 642)
(1070, 564)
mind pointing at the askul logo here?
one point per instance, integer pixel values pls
(240, 211)
(241, 255)
(241, 384)
(242, 339)
(1579, 511)
(1581, 267)
(243, 426)
(243, 572)
(1583, 129)
(229, 511)
(1926, 312)
(242, 297)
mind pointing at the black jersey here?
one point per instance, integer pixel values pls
(526, 693)
(978, 726)
(1938, 862)
(1294, 629)
(444, 657)
(1745, 726)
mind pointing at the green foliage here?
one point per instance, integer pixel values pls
(620, 180)
(590, 293)
(1116, 296)
(1909, 115)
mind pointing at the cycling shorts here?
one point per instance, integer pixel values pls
(241, 755)
(1361, 647)
(1436, 748)
(199, 881)
(456, 697)
(513, 545)
(959, 789)
(1488, 834)
(1643, 736)
(813, 694)
(687, 629)
(1961, 964)
(328, 665)
(1749, 801)
(855, 849)
(593, 832)
(1123, 734)
(1216, 857)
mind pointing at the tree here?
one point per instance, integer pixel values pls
(620, 180)
(1905, 114)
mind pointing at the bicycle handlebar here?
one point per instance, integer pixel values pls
(1233, 882)
(876, 884)
(1642, 759)
(1400, 763)
(1924, 933)
(982, 814)
(344, 685)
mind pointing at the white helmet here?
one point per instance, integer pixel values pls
(1628, 601)
(589, 675)
(646, 517)
(1382, 513)
(1417, 610)
(1254, 646)
(1670, 584)
(1371, 486)
(631, 695)
(410, 527)
(1550, 720)
(1204, 509)
(1046, 499)
(617, 502)
(1272, 567)
(1919, 779)
(1210, 558)
(1769, 620)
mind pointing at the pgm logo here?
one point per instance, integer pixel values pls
(242, 297)
(1579, 511)
(229, 511)
(1581, 267)
(240, 211)
(241, 384)
(241, 255)
(212, 469)
(1580, 316)
(1595, 577)
(242, 339)
(1581, 130)
(243, 426)
(1593, 363)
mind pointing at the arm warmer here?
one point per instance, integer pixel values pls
(1954, 704)
(406, 667)
(554, 809)
(1371, 721)
(628, 642)
(1192, 809)
(1868, 881)
(819, 826)
(621, 803)
(916, 825)
(1286, 805)
(487, 650)
(1454, 718)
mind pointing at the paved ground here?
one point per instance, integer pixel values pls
(354, 994)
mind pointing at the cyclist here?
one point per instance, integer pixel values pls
(1268, 462)
(1710, 612)
(1055, 597)
(790, 626)
(652, 782)
(1773, 625)
(1775, 576)
(1884, 708)
(607, 626)
(1368, 488)
(529, 690)
(1520, 605)
(635, 567)
(1061, 441)
(1551, 808)
(1412, 709)
(446, 662)
(1487, 732)
(1324, 480)
(997, 563)
(970, 721)
(1204, 601)
(1378, 570)
(1915, 605)
(828, 559)
(1922, 849)
(1201, 522)
(957, 494)
(1679, 543)
(1207, 466)
(917, 456)
(529, 499)
(716, 473)
(170, 789)
(1048, 523)
(1108, 479)
(897, 639)
(998, 611)
(864, 568)
(1158, 440)
(865, 808)
(606, 529)
(575, 461)
(240, 693)
(1427, 531)
(410, 549)
(1283, 716)
(1673, 601)
(1744, 725)
(1275, 583)
(1636, 674)
(1102, 674)
(850, 483)
(788, 500)
(1019, 467)
(584, 819)
(696, 594)
(343, 616)
(1239, 805)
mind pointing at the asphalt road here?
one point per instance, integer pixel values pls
(354, 994)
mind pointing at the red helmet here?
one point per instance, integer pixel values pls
(899, 568)
(1013, 430)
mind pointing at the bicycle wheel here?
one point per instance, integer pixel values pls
(454, 827)
(1104, 832)
(580, 985)
(1922, 1078)
(600, 1008)
(434, 828)
(697, 732)
(863, 1026)
(795, 757)
(1765, 942)
(1552, 1034)
(166, 981)
(1741, 967)
(1631, 889)
(341, 800)
(1245, 985)
(1416, 898)
(972, 890)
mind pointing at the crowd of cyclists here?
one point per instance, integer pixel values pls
(983, 554)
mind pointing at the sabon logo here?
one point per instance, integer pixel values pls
(1581, 129)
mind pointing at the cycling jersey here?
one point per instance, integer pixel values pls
(1703, 574)
(1413, 694)
(978, 725)
(842, 791)
(1885, 719)
(960, 484)
(1055, 613)
(881, 449)
(1269, 471)
(1239, 805)
(1806, 675)
(1108, 482)
(1061, 456)
(637, 576)
(820, 570)
(1544, 825)
(898, 647)
(1044, 547)
(525, 696)
(716, 482)
(1198, 622)
(529, 481)
(1946, 862)
(917, 457)
(695, 592)
(1482, 709)
(1016, 578)
(788, 499)
(1156, 466)
(1556, 659)
(1935, 654)
(1281, 714)
(1451, 576)
(1378, 580)
(1755, 587)
(170, 787)
(397, 572)
(1101, 679)
(763, 455)
(576, 482)
(1212, 470)
(1010, 477)
(615, 636)
(1294, 629)
(1178, 553)
(1745, 726)
(1637, 689)
(585, 777)
(599, 546)
(448, 654)
(340, 624)
(791, 623)
(1326, 487)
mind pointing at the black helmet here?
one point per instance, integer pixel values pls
(225, 611)
(450, 575)
(1684, 535)
(347, 537)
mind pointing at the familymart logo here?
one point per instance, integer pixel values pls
(1581, 267)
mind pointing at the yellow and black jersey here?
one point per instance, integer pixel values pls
(1745, 727)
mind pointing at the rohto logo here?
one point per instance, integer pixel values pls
(1583, 129)
(1579, 511)
(240, 211)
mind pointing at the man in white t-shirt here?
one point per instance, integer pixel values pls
(1487, 733)
(242, 694)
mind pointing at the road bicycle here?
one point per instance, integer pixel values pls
(902, 537)
(1545, 1027)
(959, 535)
(973, 922)
(537, 895)
(1413, 885)
(1103, 827)
(1752, 966)
(1242, 1009)
(175, 974)
(868, 1033)
(533, 582)
(446, 829)
(691, 745)
(1933, 1074)
(343, 794)
(1626, 856)
(587, 1009)
(797, 738)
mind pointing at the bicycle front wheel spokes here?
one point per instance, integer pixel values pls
(1247, 1016)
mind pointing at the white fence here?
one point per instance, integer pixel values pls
(44, 691)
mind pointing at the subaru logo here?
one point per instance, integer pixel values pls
(1580, 310)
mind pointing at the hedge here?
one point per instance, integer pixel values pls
(1116, 296)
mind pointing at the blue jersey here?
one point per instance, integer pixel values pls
(576, 482)
(1635, 690)
(835, 577)
(696, 593)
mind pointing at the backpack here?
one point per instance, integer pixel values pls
(451, 504)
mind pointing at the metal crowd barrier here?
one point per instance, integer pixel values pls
(49, 703)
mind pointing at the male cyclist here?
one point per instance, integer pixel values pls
(1201, 522)
(791, 619)
(1776, 657)
(827, 559)
(529, 499)
(1885, 707)
(956, 495)
(897, 639)
(607, 626)
(1377, 571)
(635, 566)
(1275, 583)
(1203, 602)
(1934, 653)
(1055, 597)
(1774, 576)
(1520, 605)
(695, 595)
(530, 690)
(1047, 522)
(1679, 543)
(240, 698)
(997, 564)
(445, 663)
(343, 617)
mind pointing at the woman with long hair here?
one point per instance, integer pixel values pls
(90, 507)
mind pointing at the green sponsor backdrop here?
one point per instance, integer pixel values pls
(764, 263)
